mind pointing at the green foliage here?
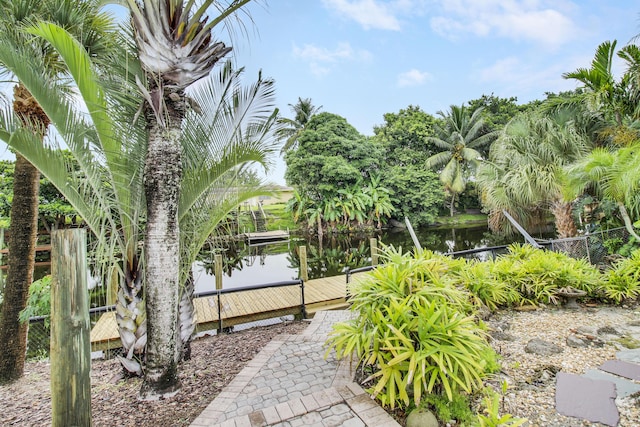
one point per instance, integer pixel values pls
(279, 217)
(417, 193)
(331, 155)
(458, 408)
(539, 274)
(485, 288)
(53, 207)
(623, 281)
(493, 418)
(413, 330)
(39, 302)
(404, 136)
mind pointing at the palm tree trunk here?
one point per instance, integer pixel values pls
(163, 170)
(565, 225)
(453, 203)
(22, 243)
(21, 261)
(187, 316)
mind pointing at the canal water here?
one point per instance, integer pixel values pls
(246, 265)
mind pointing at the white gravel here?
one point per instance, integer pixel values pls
(531, 378)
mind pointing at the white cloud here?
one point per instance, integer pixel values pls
(413, 77)
(321, 59)
(371, 14)
(513, 75)
(543, 21)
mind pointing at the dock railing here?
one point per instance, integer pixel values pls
(217, 293)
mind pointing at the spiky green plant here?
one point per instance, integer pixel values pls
(539, 274)
(413, 330)
(623, 280)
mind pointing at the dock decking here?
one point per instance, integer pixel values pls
(266, 236)
(244, 307)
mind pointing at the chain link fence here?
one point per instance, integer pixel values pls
(598, 248)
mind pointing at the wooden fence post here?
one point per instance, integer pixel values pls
(304, 273)
(373, 242)
(217, 265)
(70, 327)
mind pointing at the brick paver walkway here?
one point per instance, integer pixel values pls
(291, 383)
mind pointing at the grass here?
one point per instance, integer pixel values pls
(461, 219)
(278, 218)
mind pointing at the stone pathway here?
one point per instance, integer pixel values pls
(592, 396)
(291, 383)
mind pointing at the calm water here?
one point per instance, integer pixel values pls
(245, 266)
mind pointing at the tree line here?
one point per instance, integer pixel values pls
(544, 159)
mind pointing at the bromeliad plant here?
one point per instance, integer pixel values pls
(413, 331)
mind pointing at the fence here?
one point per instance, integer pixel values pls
(216, 305)
(594, 247)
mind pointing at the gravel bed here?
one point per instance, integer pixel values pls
(531, 377)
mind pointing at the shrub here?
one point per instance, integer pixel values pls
(458, 408)
(413, 331)
(485, 289)
(623, 281)
(539, 274)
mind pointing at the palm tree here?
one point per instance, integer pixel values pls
(523, 173)
(618, 100)
(236, 129)
(459, 137)
(610, 174)
(303, 111)
(92, 29)
(176, 48)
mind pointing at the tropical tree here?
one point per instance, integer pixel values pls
(403, 136)
(92, 28)
(523, 173)
(610, 174)
(380, 200)
(616, 100)
(459, 137)
(291, 129)
(236, 129)
(176, 48)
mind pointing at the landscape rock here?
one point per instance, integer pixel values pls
(581, 397)
(624, 387)
(422, 418)
(542, 348)
(587, 330)
(501, 336)
(608, 330)
(576, 342)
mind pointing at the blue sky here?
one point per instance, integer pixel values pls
(363, 58)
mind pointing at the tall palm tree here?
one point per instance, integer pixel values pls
(236, 129)
(303, 110)
(92, 27)
(523, 173)
(618, 100)
(176, 48)
(458, 137)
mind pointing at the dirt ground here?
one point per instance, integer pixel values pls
(215, 361)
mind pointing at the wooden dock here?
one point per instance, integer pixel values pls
(266, 236)
(245, 306)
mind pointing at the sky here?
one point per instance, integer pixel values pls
(363, 58)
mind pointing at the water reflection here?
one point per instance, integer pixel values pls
(245, 265)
